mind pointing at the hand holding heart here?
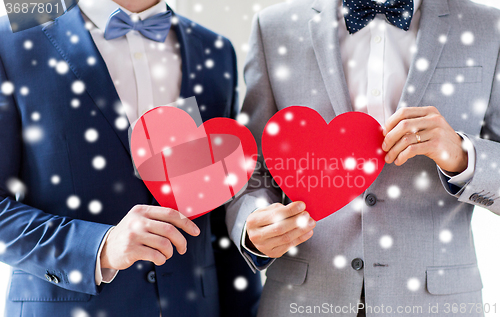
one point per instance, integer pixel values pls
(146, 233)
(275, 229)
(438, 140)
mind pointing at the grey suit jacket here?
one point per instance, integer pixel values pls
(432, 260)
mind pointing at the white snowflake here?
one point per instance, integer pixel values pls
(273, 128)
(79, 312)
(198, 89)
(75, 277)
(261, 202)
(293, 251)
(78, 87)
(231, 179)
(243, 118)
(91, 135)
(445, 236)
(75, 103)
(16, 186)
(422, 182)
(35, 116)
(256, 7)
(62, 68)
(95, 207)
(52, 62)
(224, 243)
(74, 39)
(282, 73)
(386, 242)
(422, 64)
(413, 284)
(282, 50)
(339, 261)
(447, 89)
(99, 162)
(3, 247)
(166, 189)
(393, 192)
(121, 123)
(55, 179)
(73, 202)
(198, 7)
(302, 221)
(240, 283)
(209, 63)
(28, 45)
(7, 88)
(467, 38)
(33, 134)
(369, 167)
(350, 163)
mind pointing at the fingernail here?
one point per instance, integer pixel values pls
(384, 131)
(384, 145)
(387, 158)
(311, 222)
(301, 206)
(196, 230)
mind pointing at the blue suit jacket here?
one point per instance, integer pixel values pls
(42, 234)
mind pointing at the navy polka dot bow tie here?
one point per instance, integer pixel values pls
(358, 13)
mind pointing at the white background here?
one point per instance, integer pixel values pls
(232, 18)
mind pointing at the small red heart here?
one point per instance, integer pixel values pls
(324, 165)
(188, 168)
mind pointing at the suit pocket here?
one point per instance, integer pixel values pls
(288, 270)
(25, 287)
(446, 280)
(457, 75)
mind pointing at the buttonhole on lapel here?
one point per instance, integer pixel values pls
(380, 264)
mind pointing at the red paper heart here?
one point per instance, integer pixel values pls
(324, 165)
(188, 168)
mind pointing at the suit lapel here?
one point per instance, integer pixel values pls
(191, 54)
(326, 45)
(96, 78)
(433, 25)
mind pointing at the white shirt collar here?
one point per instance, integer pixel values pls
(98, 11)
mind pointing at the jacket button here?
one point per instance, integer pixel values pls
(473, 197)
(490, 202)
(152, 277)
(357, 264)
(48, 277)
(371, 200)
(55, 279)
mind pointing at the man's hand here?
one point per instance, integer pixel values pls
(438, 140)
(146, 233)
(275, 229)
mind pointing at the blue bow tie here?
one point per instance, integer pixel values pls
(154, 28)
(358, 13)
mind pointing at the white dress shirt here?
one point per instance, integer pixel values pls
(146, 74)
(376, 61)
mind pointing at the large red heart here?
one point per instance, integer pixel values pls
(188, 168)
(324, 165)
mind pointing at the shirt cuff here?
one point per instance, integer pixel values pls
(463, 178)
(243, 244)
(103, 275)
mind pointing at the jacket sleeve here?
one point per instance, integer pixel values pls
(260, 106)
(483, 189)
(47, 246)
